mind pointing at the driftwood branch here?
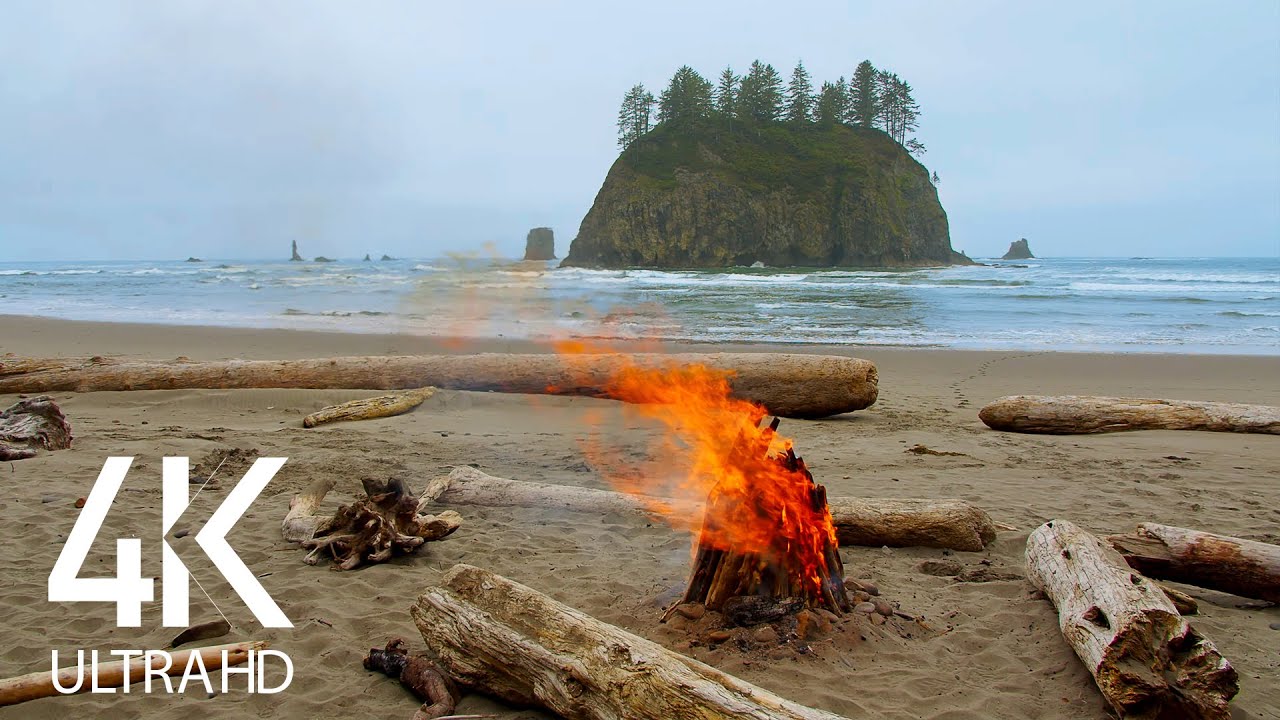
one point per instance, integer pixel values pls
(951, 524)
(1080, 414)
(1242, 567)
(1147, 661)
(33, 686)
(31, 424)
(386, 522)
(787, 385)
(503, 639)
(370, 408)
(421, 675)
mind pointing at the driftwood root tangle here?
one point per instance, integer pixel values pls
(802, 386)
(1081, 414)
(420, 674)
(31, 424)
(370, 408)
(510, 641)
(1242, 567)
(372, 530)
(873, 522)
(33, 686)
(1146, 659)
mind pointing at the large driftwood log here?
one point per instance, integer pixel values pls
(501, 638)
(1147, 661)
(370, 408)
(804, 386)
(1242, 567)
(951, 524)
(36, 685)
(1081, 414)
(30, 424)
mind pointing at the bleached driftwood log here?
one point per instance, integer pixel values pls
(36, 685)
(803, 386)
(388, 520)
(1080, 414)
(1146, 659)
(32, 423)
(952, 524)
(501, 638)
(1242, 567)
(369, 408)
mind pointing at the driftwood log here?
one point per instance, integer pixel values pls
(36, 685)
(386, 522)
(1242, 567)
(30, 424)
(370, 408)
(501, 638)
(1146, 659)
(803, 386)
(1082, 414)
(874, 522)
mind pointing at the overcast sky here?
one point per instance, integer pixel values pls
(153, 130)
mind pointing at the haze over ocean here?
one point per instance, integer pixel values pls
(1184, 305)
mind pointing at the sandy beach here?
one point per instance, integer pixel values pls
(986, 650)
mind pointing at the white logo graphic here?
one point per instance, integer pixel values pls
(128, 589)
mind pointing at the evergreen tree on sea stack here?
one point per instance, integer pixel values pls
(863, 108)
(726, 93)
(800, 95)
(634, 115)
(760, 94)
(687, 98)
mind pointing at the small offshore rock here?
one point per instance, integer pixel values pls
(765, 634)
(693, 611)
(865, 607)
(883, 607)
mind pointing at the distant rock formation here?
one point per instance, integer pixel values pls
(194, 259)
(540, 244)
(321, 258)
(1018, 250)
(386, 257)
(367, 258)
(706, 197)
(296, 257)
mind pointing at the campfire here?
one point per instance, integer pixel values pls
(765, 544)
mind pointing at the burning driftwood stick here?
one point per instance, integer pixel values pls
(386, 522)
(1079, 414)
(501, 638)
(32, 423)
(36, 685)
(788, 385)
(1147, 661)
(874, 522)
(1218, 562)
(370, 408)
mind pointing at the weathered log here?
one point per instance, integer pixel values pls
(385, 522)
(1241, 567)
(874, 522)
(1146, 659)
(370, 408)
(1081, 414)
(32, 423)
(501, 638)
(805, 386)
(36, 685)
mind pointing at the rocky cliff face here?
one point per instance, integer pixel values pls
(1019, 250)
(540, 244)
(811, 196)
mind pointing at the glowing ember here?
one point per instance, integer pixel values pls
(766, 529)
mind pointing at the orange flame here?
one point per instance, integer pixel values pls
(759, 498)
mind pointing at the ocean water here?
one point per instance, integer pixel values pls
(1141, 304)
